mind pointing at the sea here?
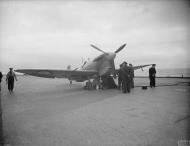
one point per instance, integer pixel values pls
(167, 72)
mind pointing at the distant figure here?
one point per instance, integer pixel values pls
(152, 76)
(132, 75)
(125, 74)
(10, 79)
(1, 76)
(119, 77)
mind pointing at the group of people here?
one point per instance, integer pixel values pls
(96, 83)
(125, 80)
(11, 76)
(125, 77)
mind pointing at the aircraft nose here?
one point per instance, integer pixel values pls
(111, 56)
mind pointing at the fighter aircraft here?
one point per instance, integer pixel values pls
(99, 66)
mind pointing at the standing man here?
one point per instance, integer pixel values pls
(132, 75)
(152, 76)
(10, 79)
(1, 75)
(125, 75)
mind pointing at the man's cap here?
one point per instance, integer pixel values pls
(124, 62)
(10, 68)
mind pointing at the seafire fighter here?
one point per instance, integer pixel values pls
(101, 65)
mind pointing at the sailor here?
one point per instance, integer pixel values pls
(125, 75)
(1, 76)
(10, 79)
(152, 76)
(131, 75)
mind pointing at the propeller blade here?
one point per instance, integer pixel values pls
(120, 48)
(98, 49)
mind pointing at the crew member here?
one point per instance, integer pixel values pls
(119, 77)
(10, 79)
(132, 74)
(152, 76)
(1, 76)
(125, 74)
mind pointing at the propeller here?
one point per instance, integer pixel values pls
(120, 48)
(112, 55)
(98, 49)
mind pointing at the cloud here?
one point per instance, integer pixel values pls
(36, 31)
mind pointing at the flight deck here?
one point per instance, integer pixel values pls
(49, 112)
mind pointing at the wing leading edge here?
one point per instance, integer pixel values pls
(141, 66)
(137, 67)
(78, 75)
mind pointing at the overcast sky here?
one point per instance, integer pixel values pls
(54, 34)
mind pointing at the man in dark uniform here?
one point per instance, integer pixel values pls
(10, 79)
(152, 76)
(119, 77)
(1, 75)
(131, 75)
(125, 75)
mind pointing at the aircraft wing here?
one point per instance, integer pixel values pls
(141, 66)
(78, 75)
(137, 67)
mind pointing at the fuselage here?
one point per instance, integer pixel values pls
(99, 63)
